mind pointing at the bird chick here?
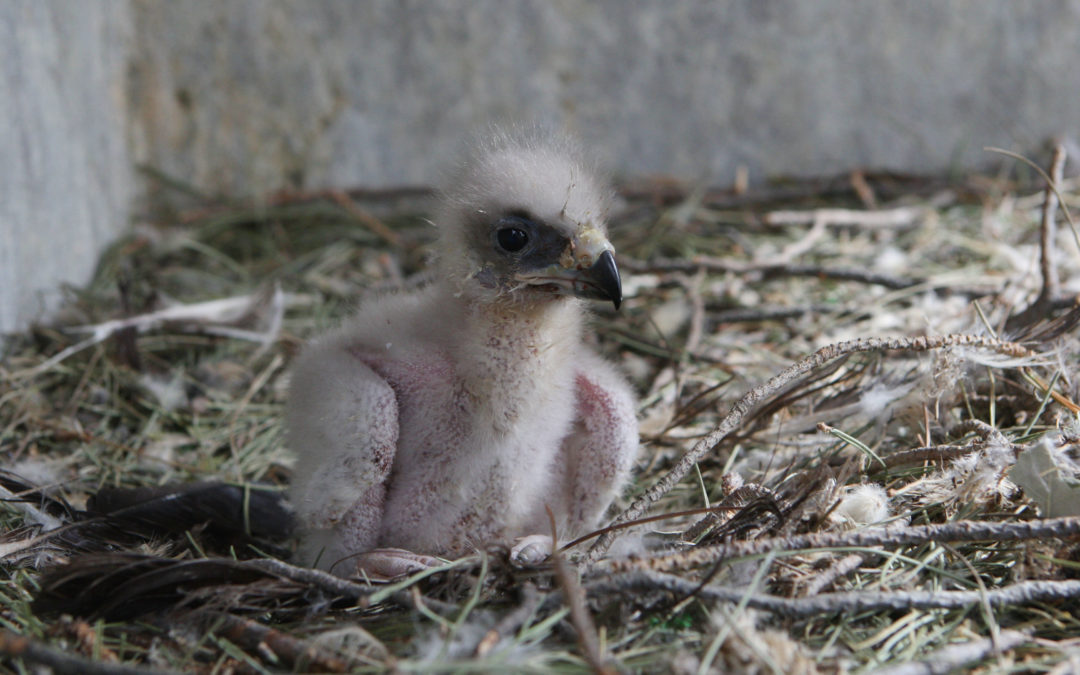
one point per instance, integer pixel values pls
(438, 421)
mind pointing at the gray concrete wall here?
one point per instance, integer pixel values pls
(65, 172)
(247, 96)
(251, 94)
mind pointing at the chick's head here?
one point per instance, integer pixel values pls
(524, 223)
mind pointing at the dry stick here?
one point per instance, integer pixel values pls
(841, 274)
(89, 640)
(899, 217)
(697, 316)
(771, 269)
(31, 651)
(510, 622)
(735, 498)
(650, 519)
(756, 395)
(410, 598)
(839, 568)
(932, 453)
(212, 316)
(1041, 384)
(862, 188)
(964, 530)
(1024, 592)
(801, 245)
(324, 581)
(574, 596)
(750, 314)
(579, 615)
(369, 221)
(954, 657)
(269, 644)
(664, 193)
(336, 586)
(1051, 283)
(988, 434)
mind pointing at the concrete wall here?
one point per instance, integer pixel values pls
(249, 94)
(246, 96)
(65, 171)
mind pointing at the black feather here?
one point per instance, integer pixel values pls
(114, 584)
(233, 519)
(226, 511)
(122, 586)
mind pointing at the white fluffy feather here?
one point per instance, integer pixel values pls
(445, 419)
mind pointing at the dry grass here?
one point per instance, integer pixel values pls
(863, 514)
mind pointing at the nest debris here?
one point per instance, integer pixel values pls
(860, 509)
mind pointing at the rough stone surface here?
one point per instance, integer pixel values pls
(65, 173)
(249, 96)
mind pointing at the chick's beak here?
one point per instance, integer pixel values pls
(599, 281)
(606, 284)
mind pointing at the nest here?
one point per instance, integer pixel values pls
(858, 410)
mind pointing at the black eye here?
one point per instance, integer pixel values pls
(512, 239)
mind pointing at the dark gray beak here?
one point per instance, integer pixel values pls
(606, 284)
(599, 281)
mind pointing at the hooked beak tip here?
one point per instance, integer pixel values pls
(605, 274)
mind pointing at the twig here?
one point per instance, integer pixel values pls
(14, 646)
(411, 598)
(715, 508)
(964, 530)
(862, 188)
(839, 568)
(88, 638)
(697, 316)
(842, 274)
(736, 497)
(899, 217)
(579, 615)
(956, 657)
(665, 193)
(343, 588)
(510, 622)
(743, 406)
(933, 453)
(802, 245)
(1051, 183)
(324, 581)
(1051, 282)
(212, 316)
(269, 644)
(369, 221)
(1051, 285)
(1022, 593)
(753, 314)
(770, 270)
(1046, 388)
(574, 597)
(987, 434)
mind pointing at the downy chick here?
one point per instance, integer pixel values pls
(441, 420)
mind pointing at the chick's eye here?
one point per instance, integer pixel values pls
(512, 239)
